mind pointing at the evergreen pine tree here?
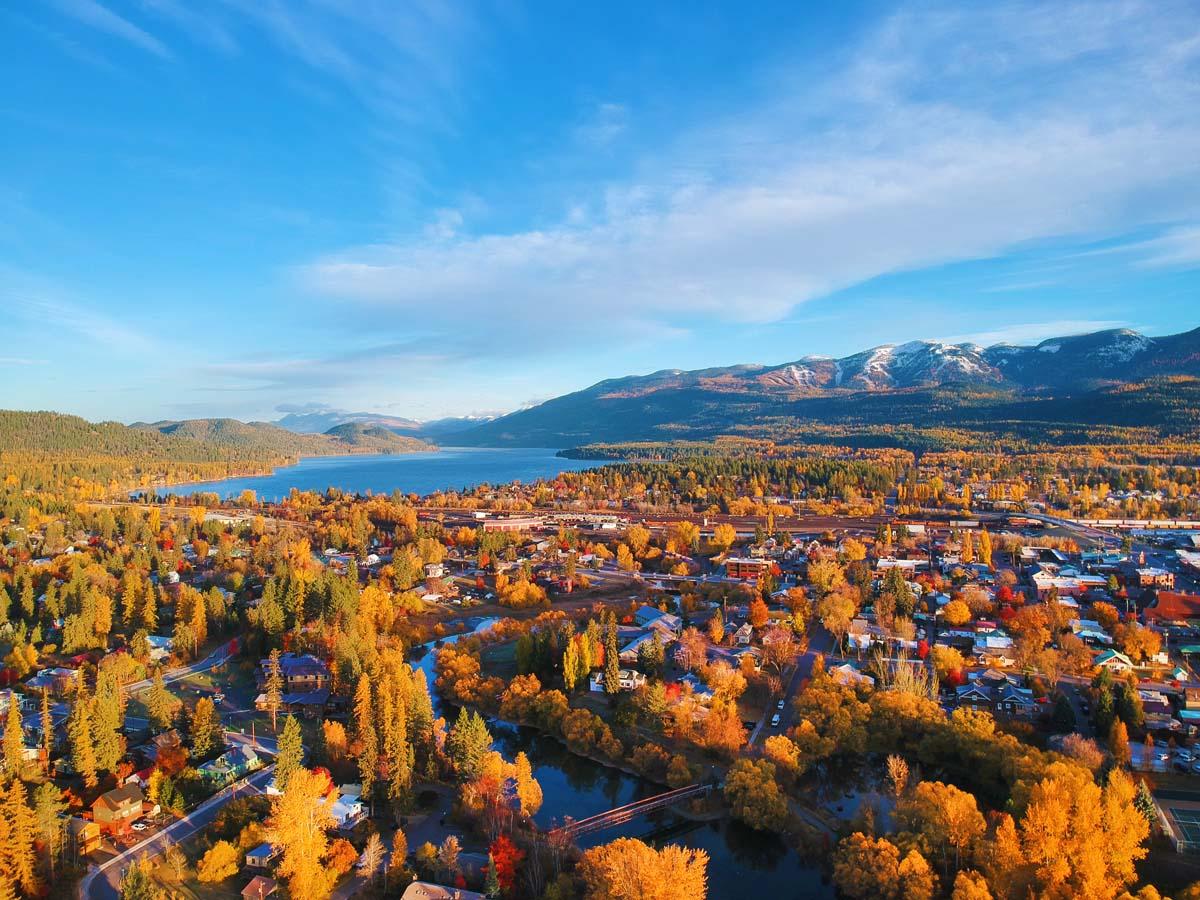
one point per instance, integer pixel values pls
(161, 704)
(468, 742)
(107, 718)
(79, 733)
(291, 752)
(274, 688)
(612, 661)
(20, 862)
(491, 886)
(149, 608)
(14, 738)
(47, 731)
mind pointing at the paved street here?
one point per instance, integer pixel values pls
(103, 881)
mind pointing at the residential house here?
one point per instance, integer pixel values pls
(742, 636)
(1091, 632)
(1114, 661)
(230, 766)
(160, 646)
(426, 890)
(998, 693)
(847, 674)
(907, 566)
(119, 808)
(300, 672)
(261, 856)
(649, 617)
(259, 888)
(701, 691)
(57, 680)
(630, 680)
(83, 836)
(347, 811)
(628, 654)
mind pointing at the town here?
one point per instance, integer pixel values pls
(342, 696)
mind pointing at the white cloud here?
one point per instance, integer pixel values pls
(603, 125)
(100, 17)
(39, 304)
(1176, 248)
(1034, 332)
(946, 137)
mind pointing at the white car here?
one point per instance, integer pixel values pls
(775, 720)
(779, 705)
(139, 826)
(218, 697)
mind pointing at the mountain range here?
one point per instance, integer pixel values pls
(266, 437)
(319, 420)
(892, 384)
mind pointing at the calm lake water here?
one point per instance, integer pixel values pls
(451, 468)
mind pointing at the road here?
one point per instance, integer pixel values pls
(103, 882)
(820, 641)
(218, 657)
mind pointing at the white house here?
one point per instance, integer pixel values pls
(629, 680)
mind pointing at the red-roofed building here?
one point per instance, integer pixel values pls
(1171, 606)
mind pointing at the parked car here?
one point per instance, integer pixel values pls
(779, 705)
(139, 826)
(775, 720)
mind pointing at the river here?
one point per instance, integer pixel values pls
(742, 862)
(450, 468)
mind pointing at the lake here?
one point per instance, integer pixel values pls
(451, 468)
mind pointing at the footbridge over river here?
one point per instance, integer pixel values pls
(621, 814)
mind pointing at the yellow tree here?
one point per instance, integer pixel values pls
(970, 885)
(299, 819)
(628, 869)
(221, 861)
(866, 867)
(723, 536)
(529, 792)
(943, 815)
(1082, 840)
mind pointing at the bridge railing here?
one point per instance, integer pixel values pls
(622, 814)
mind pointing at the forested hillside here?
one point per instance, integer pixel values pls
(73, 458)
(929, 418)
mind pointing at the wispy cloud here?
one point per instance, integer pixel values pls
(100, 17)
(357, 366)
(1178, 247)
(911, 156)
(198, 21)
(1034, 332)
(603, 124)
(41, 305)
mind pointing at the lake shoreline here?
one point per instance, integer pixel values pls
(418, 472)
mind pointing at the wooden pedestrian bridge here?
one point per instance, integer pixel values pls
(572, 829)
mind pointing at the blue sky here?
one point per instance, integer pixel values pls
(426, 209)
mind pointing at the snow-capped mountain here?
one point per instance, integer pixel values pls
(656, 404)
